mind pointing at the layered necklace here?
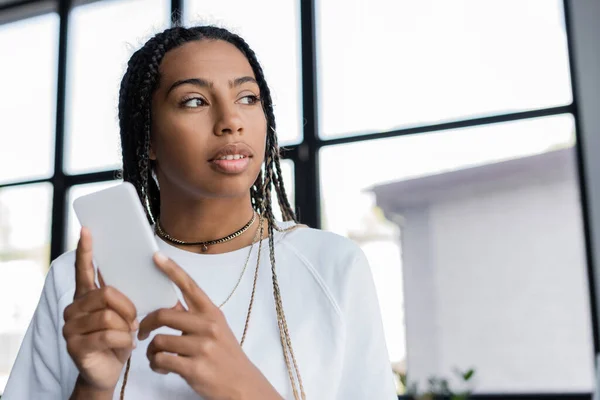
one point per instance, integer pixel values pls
(204, 245)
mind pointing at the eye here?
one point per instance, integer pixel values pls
(193, 102)
(250, 99)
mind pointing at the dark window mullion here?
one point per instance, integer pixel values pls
(59, 197)
(307, 155)
(458, 124)
(176, 12)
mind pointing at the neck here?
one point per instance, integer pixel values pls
(205, 219)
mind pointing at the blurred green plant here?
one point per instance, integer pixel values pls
(440, 387)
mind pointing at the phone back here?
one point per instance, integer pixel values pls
(123, 245)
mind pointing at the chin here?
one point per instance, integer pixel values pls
(228, 188)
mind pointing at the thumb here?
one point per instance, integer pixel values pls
(84, 268)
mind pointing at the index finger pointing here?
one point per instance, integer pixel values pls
(195, 297)
(84, 268)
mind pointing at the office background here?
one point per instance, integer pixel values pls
(454, 141)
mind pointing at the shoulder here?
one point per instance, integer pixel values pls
(336, 262)
(61, 276)
(321, 247)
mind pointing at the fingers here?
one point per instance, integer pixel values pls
(173, 318)
(181, 345)
(195, 297)
(98, 321)
(84, 268)
(99, 299)
(102, 340)
(101, 279)
(164, 363)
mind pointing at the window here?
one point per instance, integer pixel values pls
(392, 64)
(28, 121)
(103, 35)
(480, 229)
(463, 192)
(27, 104)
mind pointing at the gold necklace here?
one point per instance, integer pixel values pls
(258, 232)
(204, 245)
(258, 237)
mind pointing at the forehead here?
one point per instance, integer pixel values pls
(208, 59)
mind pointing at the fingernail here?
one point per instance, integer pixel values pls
(135, 325)
(142, 336)
(160, 257)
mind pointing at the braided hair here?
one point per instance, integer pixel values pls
(135, 98)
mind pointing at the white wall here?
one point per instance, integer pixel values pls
(495, 279)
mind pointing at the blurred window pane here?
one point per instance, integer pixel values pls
(27, 104)
(476, 242)
(385, 65)
(276, 42)
(24, 261)
(102, 37)
(77, 191)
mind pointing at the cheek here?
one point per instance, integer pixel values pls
(180, 136)
(259, 137)
(259, 146)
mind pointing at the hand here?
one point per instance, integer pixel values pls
(99, 325)
(207, 354)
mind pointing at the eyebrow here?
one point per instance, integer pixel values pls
(203, 83)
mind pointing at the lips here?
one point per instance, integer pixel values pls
(231, 159)
(240, 150)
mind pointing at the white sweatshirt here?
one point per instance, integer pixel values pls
(329, 301)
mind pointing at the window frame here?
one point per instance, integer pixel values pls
(305, 155)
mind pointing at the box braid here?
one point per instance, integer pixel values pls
(135, 98)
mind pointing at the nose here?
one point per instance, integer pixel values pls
(228, 121)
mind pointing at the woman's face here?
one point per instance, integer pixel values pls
(208, 127)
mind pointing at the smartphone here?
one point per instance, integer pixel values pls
(123, 244)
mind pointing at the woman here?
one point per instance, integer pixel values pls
(270, 311)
